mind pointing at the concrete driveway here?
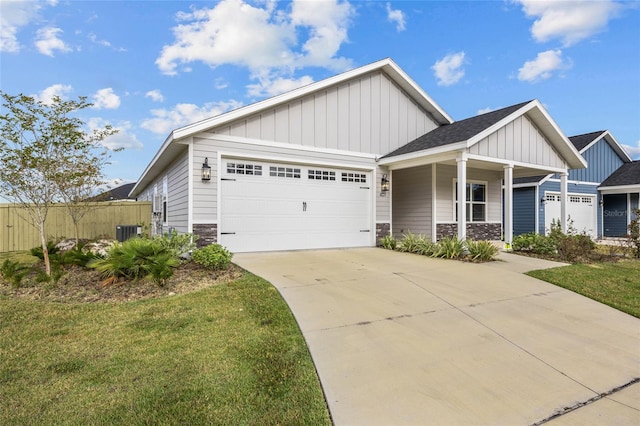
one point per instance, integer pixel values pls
(404, 339)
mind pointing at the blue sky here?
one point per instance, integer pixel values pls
(152, 66)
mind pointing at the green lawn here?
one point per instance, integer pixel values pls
(229, 354)
(615, 284)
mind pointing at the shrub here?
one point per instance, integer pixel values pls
(481, 251)
(178, 244)
(633, 239)
(213, 256)
(137, 258)
(51, 248)
(409, 243)
(535, 243)
(574, 247)
(13, 272)
(450, 248)
(388, 242)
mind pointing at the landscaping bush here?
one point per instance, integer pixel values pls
(389, 242)
(481, 251)
(535, 243)
(178, 244)
(13, 272)
(51, 248)
(213, 256)
(572, 248)
(137, 258)
(633, 239)
(450, 248)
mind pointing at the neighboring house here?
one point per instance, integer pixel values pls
(537, 200)
(346, 160)
(620, 196)
(118, 193)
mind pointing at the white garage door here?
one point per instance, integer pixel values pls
(581, 209)
(273, 206)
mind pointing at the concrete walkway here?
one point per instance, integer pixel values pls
(401, 339)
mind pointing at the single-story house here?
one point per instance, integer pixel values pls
(620, 197)
(537, 200)
(347, 160)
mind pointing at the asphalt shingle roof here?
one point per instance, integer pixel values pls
(530, 179)
(627, 174)
(458, 131)
(580, 141)
(118, 193)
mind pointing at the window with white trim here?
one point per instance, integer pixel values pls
(165, 193)
(244, 169)
(321, 175)
(354, 177)
(285, 172)
(476, 195)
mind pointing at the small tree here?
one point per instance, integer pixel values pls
(633, 238)
(43, 150)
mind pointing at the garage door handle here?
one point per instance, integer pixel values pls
(227, 233)
(304, 206)
(365, 230)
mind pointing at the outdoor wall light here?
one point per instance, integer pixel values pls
(206, 170)
(543, 200)
(384, 184)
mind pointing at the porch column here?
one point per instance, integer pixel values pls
(462, 198)
(563, 201)
(434, 198)
(508, 205)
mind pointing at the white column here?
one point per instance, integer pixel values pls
(563, 202)
(434, 207)
(462, 198)
(508, 205)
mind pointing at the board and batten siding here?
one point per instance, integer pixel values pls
(368, 114)
(524, 210)
(205, 194)
(602, 161)
(446, 174)
(521, 141)
(412, 201)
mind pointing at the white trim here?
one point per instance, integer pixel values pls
(392, 162)
(536, 229)
(287, 146)
(524, 185)
(288, 160)
(190, 184)
(503, 162)
(486, 202)
(615, 146)
(574, 182)
(434, 201)
(390, 195)
(621, 189)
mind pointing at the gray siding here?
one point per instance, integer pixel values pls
(178, 194)
(445, 196)
(368, 114)
(602, 160)
(524, 210)
(519, 141)
(412, 201)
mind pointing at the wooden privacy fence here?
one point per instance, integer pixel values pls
(17, 233)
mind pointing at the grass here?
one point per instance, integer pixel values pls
(614, 284)
(228, 354)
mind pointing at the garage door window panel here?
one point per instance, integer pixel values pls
(284, 172)
(244, 169)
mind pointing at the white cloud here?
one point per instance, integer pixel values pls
(106, 99)
(166, 120)
(13, 16)
(633, 151)
(47, 41)
(94, 39)
(268, 86)
(543, 66)
(396, 16)
(569, 21)
(264, 40)
(448, 70)
(220, 83)
(484, 110)
(154, 95)
(46, 96)
(124, 139)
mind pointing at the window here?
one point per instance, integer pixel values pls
(244, 169)
(476, 196)
(286, 172)
(321, 175)
(354, 177)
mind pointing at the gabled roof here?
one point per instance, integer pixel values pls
(466, 133)
(587, 140)
(118, 193)
(168, 150)
(627, 174)
(460, 131)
